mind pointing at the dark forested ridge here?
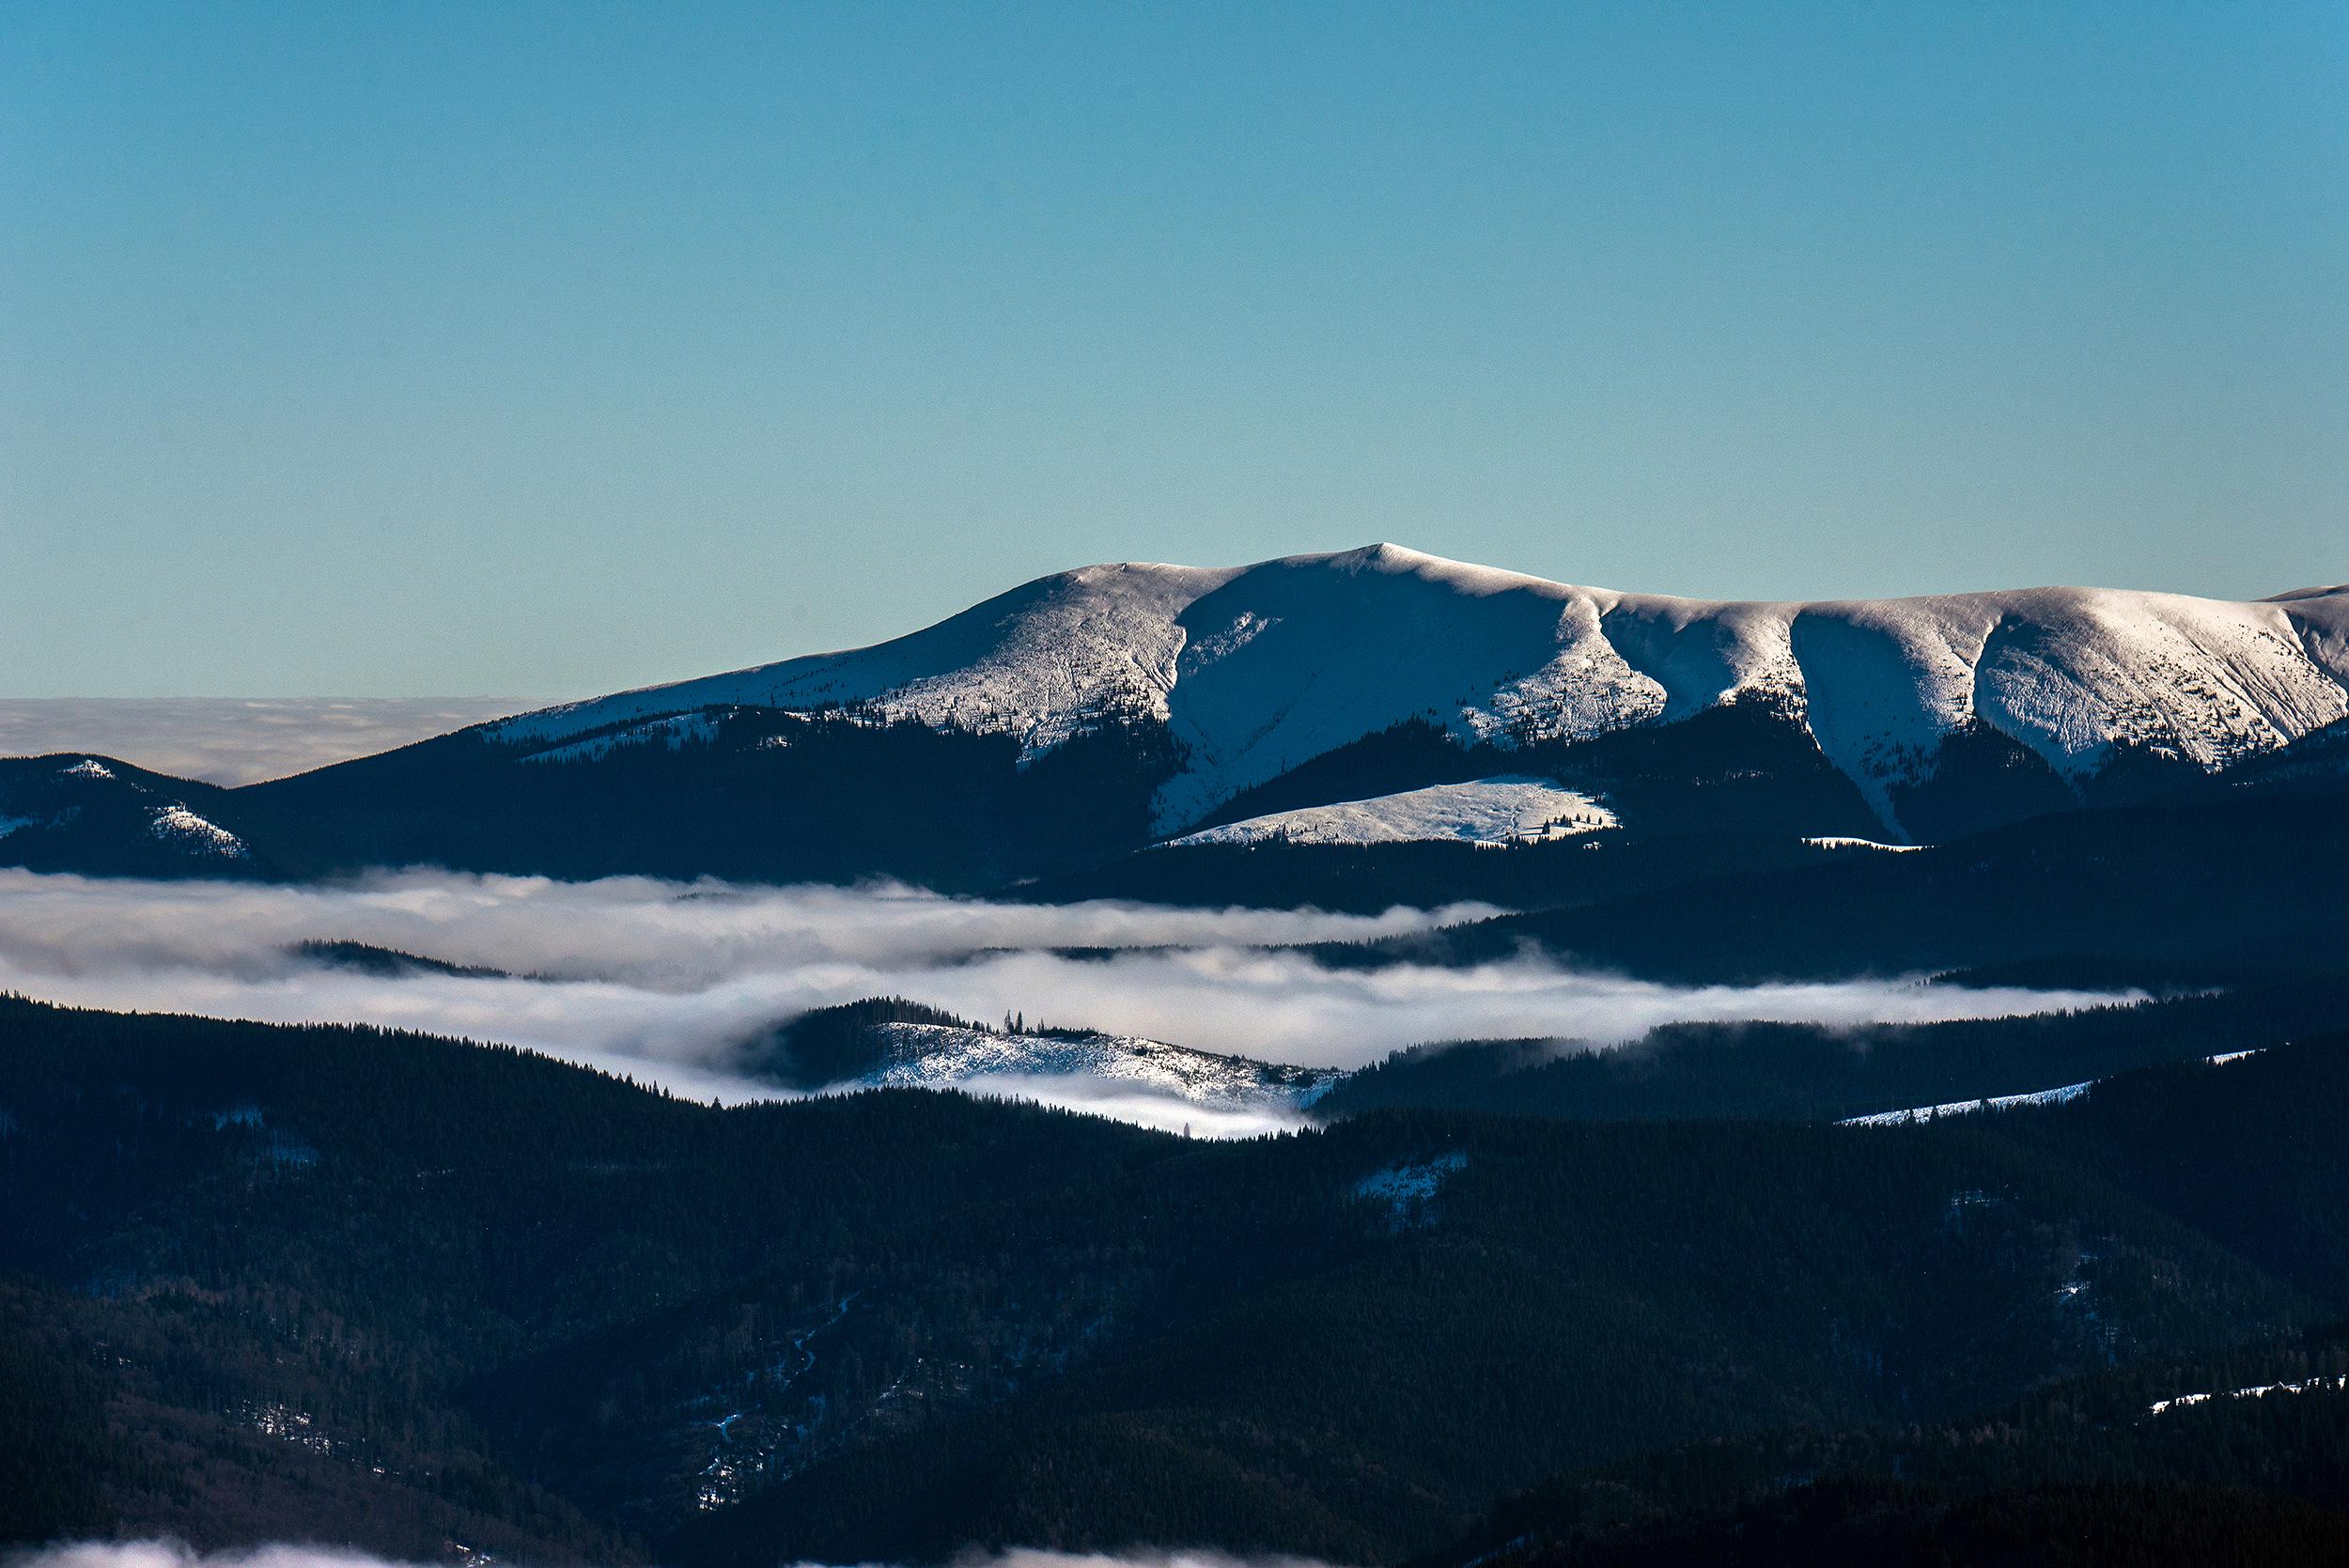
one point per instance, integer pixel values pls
(1749, 767)
(1715, 811)
(387, 963)
(1813, 1072)
(832, 1045)
(2245, 882)
(1371, 878)
(2233, 1459)
(2237, 1458)
(765, 795)
(756, 795)
(2222, 877)
(400, 1292)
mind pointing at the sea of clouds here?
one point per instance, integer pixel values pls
(236, 740)
(175, 1554)
(673, 982)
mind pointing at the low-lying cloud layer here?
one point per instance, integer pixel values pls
(669, 981)
(178, 1554)
(236, 740)
(175, 1554)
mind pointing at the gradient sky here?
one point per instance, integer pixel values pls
(416, 349)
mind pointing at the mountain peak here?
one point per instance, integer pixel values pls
(1257, 670)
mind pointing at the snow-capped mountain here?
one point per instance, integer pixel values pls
(1374, 698)
(1256, 670)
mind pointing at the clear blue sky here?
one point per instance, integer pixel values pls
(409, 349)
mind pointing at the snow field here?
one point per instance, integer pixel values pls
(1506, 810)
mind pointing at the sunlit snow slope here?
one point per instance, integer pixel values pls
(1258, 669)
(1505, 810)
(934, 1056)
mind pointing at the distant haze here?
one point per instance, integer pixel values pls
(233, 740)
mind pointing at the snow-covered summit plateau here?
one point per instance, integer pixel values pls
(1257, 669)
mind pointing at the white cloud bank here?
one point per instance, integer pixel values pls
(236, 740)
(175, 1554)
(178, 1554)
(667, 981)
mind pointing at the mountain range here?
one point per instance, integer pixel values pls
(2061, 1288)
(1253, 670)
(1375, 696)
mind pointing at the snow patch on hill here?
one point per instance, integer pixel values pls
(1964, 1108)
(1511, 808)
(937, 1056)
(2043, 1096)
(1408, 1192)
(2260, 1391)
(183, 830)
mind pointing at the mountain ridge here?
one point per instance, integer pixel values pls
(1256, 669)
(1084, 716)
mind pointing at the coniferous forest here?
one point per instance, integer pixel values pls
(400, 1292)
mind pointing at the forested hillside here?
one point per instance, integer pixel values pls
(2245, 881)
(2229, 1459)
(752, 794)
(401, 1291)
(1810, 1072)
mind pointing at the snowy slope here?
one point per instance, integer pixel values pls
(1966, 1107)
(1039, 662)
(672, 733)
(2041, 1097)
(1258, 669)
(937, 1056)
(143, 821)
(1503, 810)
(2257, 1390)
